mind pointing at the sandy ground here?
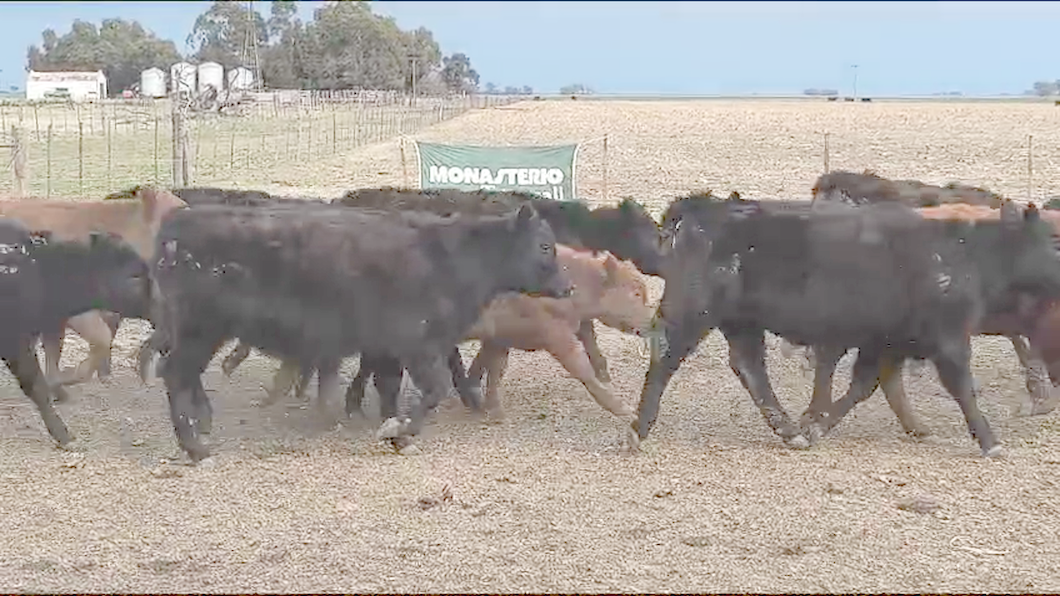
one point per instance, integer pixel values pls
(544, 501)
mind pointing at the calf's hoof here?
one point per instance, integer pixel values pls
(918, 432)
(632, 442)
(1042, 408)
(392, 429)
(70, 443)
(798, 442)
(993, 452)
(59, 393)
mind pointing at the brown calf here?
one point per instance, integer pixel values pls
(135, 220)
(607, 289)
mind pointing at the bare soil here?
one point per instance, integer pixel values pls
(300, 500)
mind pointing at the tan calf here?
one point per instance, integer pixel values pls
(136, 220)
(612, 291)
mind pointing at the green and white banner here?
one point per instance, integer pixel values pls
(547, 171)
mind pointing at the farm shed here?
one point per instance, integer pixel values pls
(77, 86)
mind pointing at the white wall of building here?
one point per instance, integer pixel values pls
(81, 86)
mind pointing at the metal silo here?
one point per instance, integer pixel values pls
(182, 77)
(240, 79)
(211, 74)
(153, 83)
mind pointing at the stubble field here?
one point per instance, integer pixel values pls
(545, 501)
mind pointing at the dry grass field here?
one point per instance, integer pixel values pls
(544, 501)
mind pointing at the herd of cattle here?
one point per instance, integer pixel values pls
(895, 269)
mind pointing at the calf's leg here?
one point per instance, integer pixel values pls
(1039, 386)
(570, 352)
(53, 351)
(493, 360)
(282, 382)
(328, 385)
(113, 321)
(587, 336)
(470, 392)
(183, 373)
(235, 358)
(26, 369)
(677, 342)
(954, 370)
(94, 330)
(747, 358)
(894, 390)
(863, 381)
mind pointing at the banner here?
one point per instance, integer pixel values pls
(547, 171)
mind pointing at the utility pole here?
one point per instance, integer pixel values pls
(415, 59)
(855, 67)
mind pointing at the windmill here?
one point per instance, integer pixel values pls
(248, 54)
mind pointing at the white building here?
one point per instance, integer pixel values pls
(77, 86)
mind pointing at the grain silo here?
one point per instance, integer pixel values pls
(240, 79)
(211, 74)
(182, 77)
(153, 83)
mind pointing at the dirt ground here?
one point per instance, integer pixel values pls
(297, 501)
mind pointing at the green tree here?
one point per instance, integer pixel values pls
(121, 49)
(282, 61)
(221, 33)
(348, 47)
(458, 74)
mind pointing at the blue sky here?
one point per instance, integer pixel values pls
(980, 48)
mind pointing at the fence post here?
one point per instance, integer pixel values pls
(826, 164)
(80, 158)
(19, 161)
(48, 163)
(179, 154)
(606, 196)
(1030, 167)
(404, 163)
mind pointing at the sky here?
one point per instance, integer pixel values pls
(685, 48)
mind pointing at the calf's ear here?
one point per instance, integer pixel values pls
(522, 219)
(610, 269)
(1031, 214)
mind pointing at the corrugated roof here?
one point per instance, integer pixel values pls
(58, 77)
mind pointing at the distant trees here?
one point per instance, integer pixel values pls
(344, 46)
(121, 49)
(820, 92)
(575, 89)
(1045, 88)
(492, 89)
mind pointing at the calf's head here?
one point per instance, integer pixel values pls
(624, 301)
(531, 266)
(629, 232)
(109, 271)
(1029, 252)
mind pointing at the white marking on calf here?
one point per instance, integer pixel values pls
(6, 249)
(8, 269)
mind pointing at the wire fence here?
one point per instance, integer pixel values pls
(88, 149)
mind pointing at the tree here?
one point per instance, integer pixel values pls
(575, 89)
(528, 90)
(1045, 88)
(458, 74)
(347, 46)
(281, 61)
(220, 33)
(121, 49)
(421, 47)
(491, 88)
